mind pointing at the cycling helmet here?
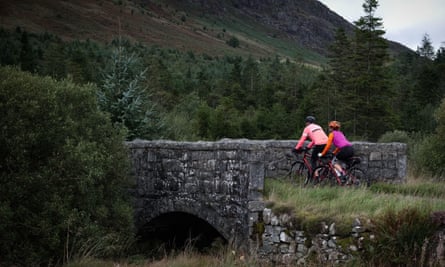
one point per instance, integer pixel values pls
(334, 125)
(310, 119)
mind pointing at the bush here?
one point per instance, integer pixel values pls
(395, 136)
(427, 155)
(63, 173)
(400, 238)
(233, 42)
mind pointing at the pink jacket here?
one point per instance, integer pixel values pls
(315, 133)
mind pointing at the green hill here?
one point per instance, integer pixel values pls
(298, 30)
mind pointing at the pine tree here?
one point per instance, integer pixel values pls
(123, 95)
(427, 49)
(339, 87)
(28, 58)
(370, 76)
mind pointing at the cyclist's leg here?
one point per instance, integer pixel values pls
(314, 157)
(343, 156)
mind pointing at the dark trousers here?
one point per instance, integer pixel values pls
(345, 153)
(314, 157)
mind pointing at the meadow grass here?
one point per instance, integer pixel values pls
(343, 204)
(309, 206)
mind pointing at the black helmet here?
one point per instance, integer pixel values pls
(310, 119)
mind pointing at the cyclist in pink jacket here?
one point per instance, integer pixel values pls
(317, 136)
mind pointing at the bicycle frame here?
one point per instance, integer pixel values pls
(336, 173)
(302, 165)
(328, 173)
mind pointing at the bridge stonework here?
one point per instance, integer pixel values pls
(222, 182)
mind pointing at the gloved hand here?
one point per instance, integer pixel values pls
(320, 155)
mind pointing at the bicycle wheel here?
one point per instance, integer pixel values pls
(298, 172)
(357, 177)
(322, 176)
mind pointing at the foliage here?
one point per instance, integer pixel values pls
(63, 173)
(395, 136)
(233, 42)
(427, 155)
(261, 98)
(123, 95)
(400, 237)
(356, 86)
(426, 50)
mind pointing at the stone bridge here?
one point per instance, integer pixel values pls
(214, 189)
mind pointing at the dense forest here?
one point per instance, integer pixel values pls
(187, 96)
(68, 105)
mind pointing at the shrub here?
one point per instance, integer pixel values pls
(233, 42)
(400, 237)
(395, 136)
(63, 173)
(427, 155)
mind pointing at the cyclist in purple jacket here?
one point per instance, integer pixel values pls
(343, 148)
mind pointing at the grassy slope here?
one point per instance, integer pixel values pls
(342, 205)
(163, 23)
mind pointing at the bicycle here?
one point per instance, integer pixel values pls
(328, 174)
(301, 166)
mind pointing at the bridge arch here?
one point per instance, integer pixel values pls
(179, 230)
(191, 208)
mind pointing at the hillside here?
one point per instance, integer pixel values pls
(300, 29)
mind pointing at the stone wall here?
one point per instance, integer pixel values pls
(281, 242)
(222, 183)
(382, 161)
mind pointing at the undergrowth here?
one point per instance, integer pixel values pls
(402, 218)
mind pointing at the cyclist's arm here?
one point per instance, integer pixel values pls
(328, 144)
(302, 139)
(310, 145)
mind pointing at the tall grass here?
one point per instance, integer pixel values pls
(223, 257)
(399, 215)
(342, 205)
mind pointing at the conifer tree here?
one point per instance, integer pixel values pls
(426, 50)
(28, 58)
(123, 95)
(373, 115)
(339, 87)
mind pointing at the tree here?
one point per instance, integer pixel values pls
(251, 82)
(426, 50)
(28, 57)
(425, 90)
(338, 84)
(373, 115)
(431, 158)
(123, 95)
(63, 173)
